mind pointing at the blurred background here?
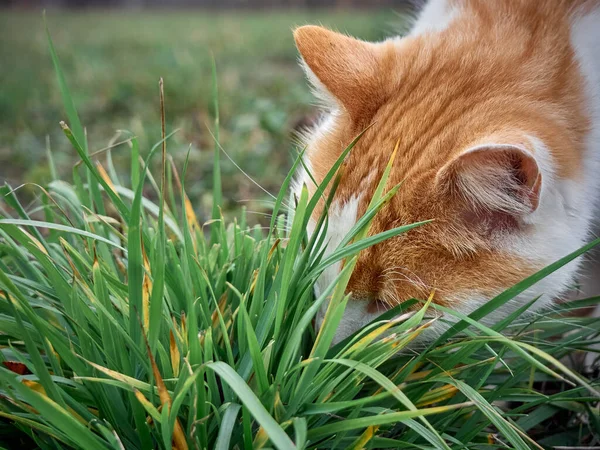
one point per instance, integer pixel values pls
(113, 53)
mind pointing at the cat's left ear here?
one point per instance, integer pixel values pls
(495, 180)
(343, 70)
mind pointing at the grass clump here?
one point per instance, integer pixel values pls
(125, 323)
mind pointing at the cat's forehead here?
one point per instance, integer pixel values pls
(366, 163)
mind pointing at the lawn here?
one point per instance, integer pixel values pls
(113, 61)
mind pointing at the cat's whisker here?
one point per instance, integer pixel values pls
(259, 213)
(249, 200)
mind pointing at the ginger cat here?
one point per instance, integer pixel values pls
(495, 105)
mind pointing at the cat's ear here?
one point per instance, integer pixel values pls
(342, 69)
(496, 182)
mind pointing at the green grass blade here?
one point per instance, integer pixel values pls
(67, 99)
(278, 437)
(227, 425)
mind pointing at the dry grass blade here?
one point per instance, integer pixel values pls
(179, 439)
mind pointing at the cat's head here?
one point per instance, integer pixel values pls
(472, 131)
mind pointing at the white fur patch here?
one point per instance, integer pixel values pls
(325, 98)
(585, 35)
(436, 16)
(309, 138)
(302, 178)
(341, 220)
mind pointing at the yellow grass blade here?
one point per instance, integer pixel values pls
(437, 395)
(175, 356)
(365, 437)
(106, 178)
(37, 243)
(179, 440)
(149, 407)
(37, 387)
(146, 291)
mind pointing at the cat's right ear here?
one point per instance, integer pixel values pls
(343, 70)
(500, 183)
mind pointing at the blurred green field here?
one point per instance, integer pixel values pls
(113, 61)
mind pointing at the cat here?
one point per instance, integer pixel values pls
(494, 106)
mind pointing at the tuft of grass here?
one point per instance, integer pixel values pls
(126, 323)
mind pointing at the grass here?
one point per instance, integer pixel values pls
(128, 323)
